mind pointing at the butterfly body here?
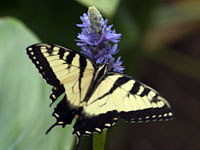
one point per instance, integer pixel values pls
(94, 95)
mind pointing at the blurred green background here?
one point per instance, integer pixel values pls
(160, 46)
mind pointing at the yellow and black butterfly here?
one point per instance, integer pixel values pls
(94, 95)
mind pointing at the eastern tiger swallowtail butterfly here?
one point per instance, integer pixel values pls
(92, 94)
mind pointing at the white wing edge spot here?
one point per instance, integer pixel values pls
(154, 116)
(113, 123)
(78, 133)
(108, 125)
(60, 122)
(98, 129)
(147, 117)
(54, 96)
(56, 115)
(139, 118)
(170, 114)
(88, 132)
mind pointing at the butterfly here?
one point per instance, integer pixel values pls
(92, 94)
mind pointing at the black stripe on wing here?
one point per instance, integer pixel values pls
(83, 64)
(41, 63)
(119, 82)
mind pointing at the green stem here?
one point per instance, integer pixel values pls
(99, 140)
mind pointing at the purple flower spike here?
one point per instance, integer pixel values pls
(98, 41)
(116, 66)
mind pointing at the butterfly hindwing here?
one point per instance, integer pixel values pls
(87, 125)
(64, 114)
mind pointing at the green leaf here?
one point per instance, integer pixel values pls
(99, 140)
(106, 7)
(24, 106)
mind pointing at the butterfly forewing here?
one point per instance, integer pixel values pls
(62, 66)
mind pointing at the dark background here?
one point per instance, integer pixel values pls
(160, 46)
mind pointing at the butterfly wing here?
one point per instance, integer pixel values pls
(118, 95)
(63, 69)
